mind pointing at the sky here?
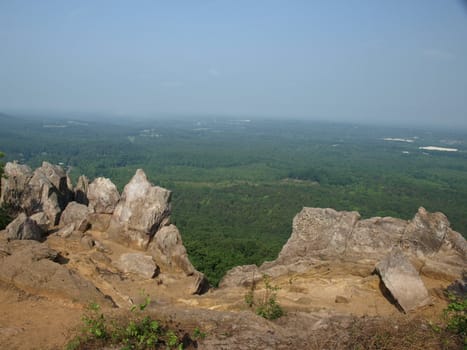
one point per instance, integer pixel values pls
(350, 60)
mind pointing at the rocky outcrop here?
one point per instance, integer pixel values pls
(24, 228)
(426, 232)
(46, 190)
(31, 266)
(103, 196)
(13, 184)
(139, 218)
(76, 214)
(42, 220)
(402, 280)
(320, 235)
(328, 234)
(137, 263)
(168, 250)
(243, 276)
(143, 209)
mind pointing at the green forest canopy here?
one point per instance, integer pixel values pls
(238, 184)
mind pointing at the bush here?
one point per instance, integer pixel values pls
(138, 332)
(456, 316)
(265, 306)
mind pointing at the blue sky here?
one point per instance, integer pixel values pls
(350, 60)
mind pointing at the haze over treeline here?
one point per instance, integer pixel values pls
(360, 61)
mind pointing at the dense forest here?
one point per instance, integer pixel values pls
(237, 184)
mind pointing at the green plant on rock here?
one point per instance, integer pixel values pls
(266, 305)
(137, 332)
(456, 316)
(95, 322)
(198, 334)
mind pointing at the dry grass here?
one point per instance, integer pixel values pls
(385, 334)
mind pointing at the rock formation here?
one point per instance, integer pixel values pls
(31, 266)
(24, 228)
(402, 280)
(141, 212)
(325, 235)
(138, 219)
(102, 195)
(74, 213)
(47, 190)
(93, 244)
(14, 184)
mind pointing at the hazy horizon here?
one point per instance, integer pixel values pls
(392, 63)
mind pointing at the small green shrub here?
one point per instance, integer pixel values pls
(138, 332)
(250, 298)
(95, 322)
(197, 334)
(266, 305)
(456, 316)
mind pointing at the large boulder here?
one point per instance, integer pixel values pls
(243, 276)
(42, 220)
(76, 214)
(137, 263)
(373, 238)
(102, 195)
(13, 184)
(403, 281)
(170, 254)
(24, 228)
(47, 191)
(326, 234)
(31, 266)
(320, 235)
(168, 250)
(427, 231)
(142, 210)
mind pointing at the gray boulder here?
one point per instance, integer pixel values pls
(170, 254)
(403, 281)
(320, 235)
(102, 195)
(142, 210)
(31, 266)
(373, 238)
(47, 191)
(241, 276)
(168, 250)
(137, 263)
(426, 232)
(13, 184)
(76, 214)
(24, 228)
(42, 220)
